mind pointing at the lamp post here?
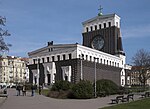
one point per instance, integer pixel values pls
(37, 75)
(81, 74)
(95, 77)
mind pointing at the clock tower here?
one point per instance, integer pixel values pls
(103, 33)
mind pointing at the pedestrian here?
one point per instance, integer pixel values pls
(33, 89)
(40, 89)
(24, 90)
(18, 88)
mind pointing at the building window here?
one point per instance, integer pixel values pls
(39, 60)
(104, 25)
(87, 29)
(113, 63)
(109, 23)
(90, 58)
(86, 57)
(47, 59)
(53, 58)
(118, 64)
(104, 61)
(97, 60)
(34, 61)
(69, 56)
(100, 26)
(43, 60)
(64, 57)
(117, 24)
(58, 57)
(107, 62)
(101, 61)
(110, 63)
(122, 81)
(95, 27)
(91, 28)
(83, 56)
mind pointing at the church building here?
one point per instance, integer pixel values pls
(101, 56)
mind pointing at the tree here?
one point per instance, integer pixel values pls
(141, 61)
(3, 33)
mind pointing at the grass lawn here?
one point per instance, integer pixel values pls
(140, 104)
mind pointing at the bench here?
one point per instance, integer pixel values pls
(128, 97)
(3, 95)
(117, 99)
(146, 94)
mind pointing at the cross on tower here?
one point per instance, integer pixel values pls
(100, 9)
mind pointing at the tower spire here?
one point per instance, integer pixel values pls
(100, 11)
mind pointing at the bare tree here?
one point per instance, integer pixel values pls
(3, 33)
(141, 61)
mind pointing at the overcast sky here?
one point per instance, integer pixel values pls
(32, 23)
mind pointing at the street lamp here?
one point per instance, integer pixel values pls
(37, 75)
(95, 76)
(81, 74)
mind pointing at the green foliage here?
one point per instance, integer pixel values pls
(3, 33)
(61, 85)
(83, 90)
(106, 87)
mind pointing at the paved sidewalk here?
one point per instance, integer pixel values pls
(42, 102)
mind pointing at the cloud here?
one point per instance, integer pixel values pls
(138, 31)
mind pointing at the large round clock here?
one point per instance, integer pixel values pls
(97, 42)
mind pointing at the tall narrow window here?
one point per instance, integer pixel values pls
(95, 27)
(87, 29)
(47, 59)
(58, 58)
(100, 26)
(34, 60)
(53, 58)
(69, 56)
(86, 57)
(109, 23)
(104, 25)
(83, 56)
(101, 61)
(64, 57)
(117, 24)
(39, 60)
(43, 60)
(91, 28)
(90, 58)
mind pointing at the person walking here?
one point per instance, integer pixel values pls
(18, 88)
(32, 89)
(24, 90)
(40, 89)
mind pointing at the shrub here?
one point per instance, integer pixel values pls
(61, 85)
(82, 90)
(106, 87)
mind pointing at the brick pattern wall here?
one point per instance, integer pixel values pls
(88, 68)
(113, 43)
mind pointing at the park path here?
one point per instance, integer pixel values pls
(42, 102)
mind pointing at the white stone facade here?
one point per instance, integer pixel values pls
(74, 51)
(100, 22)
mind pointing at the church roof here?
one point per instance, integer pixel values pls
(100, 17)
